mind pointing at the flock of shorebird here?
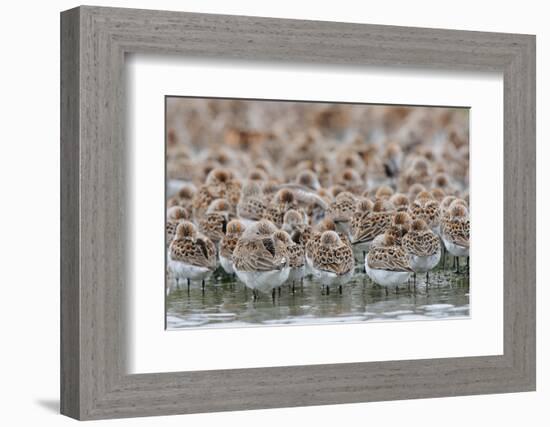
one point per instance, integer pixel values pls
(390, 212)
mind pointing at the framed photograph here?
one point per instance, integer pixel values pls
(326, 180)
(261, 213)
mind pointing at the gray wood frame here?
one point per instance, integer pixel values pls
(94, 41)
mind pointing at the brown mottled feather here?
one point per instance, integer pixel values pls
(228, 244)
(390, 258)
(366, 227)
(261, 254)
(328, 252)
(341, 209)
(171, 230)
(213, 225)
(421, 243)
(457, 230)
(337, 259)
(251, 208)
(296, 254)
(426, 210)
(200, 252)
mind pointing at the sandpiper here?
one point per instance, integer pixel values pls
(427, 208)
(400, 201)
(215, 220)
(392, 159)
(383, 192)
(331, 260)
(455, 232)
(388, 265)
(283, 201)
(308, 179)
(341, 211)
(438, 194)
(174, 216)
(251, 206)
(326, 224)
(296, 256)
(423, 248)
(235, 229)
(220, 184)
(183, 197)
(369, 223)
(192, 256)
(414, 190)
(260, 259)
(402, 222)
(351, 181)
(418, 172)
(294, 222)
(442, 182)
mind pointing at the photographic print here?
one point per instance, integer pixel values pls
(296, 212)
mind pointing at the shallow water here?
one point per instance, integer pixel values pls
(225, 302)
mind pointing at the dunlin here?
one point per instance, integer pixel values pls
(341, 211)
(235, 229)
(331, 260)
(220, 184)
(400, 201)
(251, 206)
(283, 201)
(367, 224)
(423, 248)
(296, 256)
(294, 223)
(388, 265)
(174, 216)
(309, 180)
(192, 256)
(261, 260)
(455, 232)
(427, 208)
(383, 192)
(392, 159)
(215, 220)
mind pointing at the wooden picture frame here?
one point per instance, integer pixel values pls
(94, 382)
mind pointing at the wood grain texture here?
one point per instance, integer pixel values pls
(95, 273)
(70, 292)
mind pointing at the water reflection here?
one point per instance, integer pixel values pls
(227, 303)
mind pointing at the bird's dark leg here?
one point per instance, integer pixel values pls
(203, 284)
(386, 289)
(457, 260)
(427, 281)
(279, 291)
(188, 284)
(414, 280)
(273, 294)
(340, 289)
(302, 284)
(328, 290)
(364, 267)
(293, 288)
(177, 283)
(468, 264)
